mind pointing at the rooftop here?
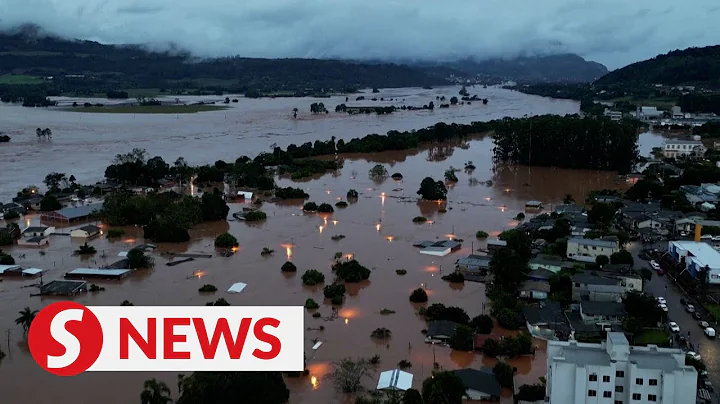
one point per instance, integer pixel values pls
(91, 228)
(79, 211)
(474, 260)
(482, 380)
(35, 229)
(61, 287)
(549, 313)
(594, 279)
(442, 327)
(703, 253)
(683, 141)
(98, 272)
(594, 242)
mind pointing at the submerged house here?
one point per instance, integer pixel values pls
(480, 384)
(438, 248)
(473, 267)
(85, 231)
(72, 214)
(440, 331)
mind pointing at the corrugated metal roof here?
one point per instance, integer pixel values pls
(4, 268)
(79, 211)
(96, 271)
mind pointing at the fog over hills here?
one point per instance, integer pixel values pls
(612, 32)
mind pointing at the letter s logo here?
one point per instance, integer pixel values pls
(65, 338)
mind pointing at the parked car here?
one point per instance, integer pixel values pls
(710, 332)
(716, 238)
(661, 300)
(655, 266)
(706, 237)
(683, 233)
(693, 355)
(703, 324)
(697, 315)
(673, 326)
(690, 308)
(663, 307)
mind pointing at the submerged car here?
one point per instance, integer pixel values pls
(703, 324)
(673, 326)
(664, 307)
(690, 308)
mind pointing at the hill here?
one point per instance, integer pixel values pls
(691, 66)
(86, 67)
(564, 68)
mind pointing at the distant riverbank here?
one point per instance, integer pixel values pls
(147, 109)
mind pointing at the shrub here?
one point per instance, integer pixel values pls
(266, 251)
(456, 277)
(115, 233)
(508, 319)
(420, 219)
(491, 348)
(207, 288)
(481, 234)
(85, 249)
(462, 338)
(325, 208)
(386, 312)
(316, 315)
(218, 302)
(438, 311)
(337, 237)
(310, 207)
(483, 324)
(341, 204)
(381, 333)
(352, 194)
(418, 296)
(404, 364)
(351, 271)
(12, 215)
(450, 175)
(96, 288)
(311, 304)
(126, 303)
(288, 267)
(255, 216)
(397, 176)
(375, 360)
(226, 240)
(336, 300)
(313, 277)
(520, 216)
(401, 271)
(332, 290)
(290, 193)
(504, 374)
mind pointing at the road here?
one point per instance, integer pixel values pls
(663, 286)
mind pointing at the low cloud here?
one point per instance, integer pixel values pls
(613, 32)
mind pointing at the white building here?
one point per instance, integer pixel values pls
(697, 255)
(677, 113)
(647, 113)
(85, 232)
(683, 147)
(588, 249)
(614, 116)
(615, 372)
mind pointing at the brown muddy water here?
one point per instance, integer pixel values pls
(378, 228)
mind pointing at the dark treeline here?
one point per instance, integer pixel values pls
(568, 142)
(700, 103)
(85, 68)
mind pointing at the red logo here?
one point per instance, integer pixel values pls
(65, 338)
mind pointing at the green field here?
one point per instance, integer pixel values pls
(654, 337)
(19, 79)
(154, 109)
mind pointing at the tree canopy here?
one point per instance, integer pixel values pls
(226, 387)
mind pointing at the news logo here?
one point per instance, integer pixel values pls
(67, 338)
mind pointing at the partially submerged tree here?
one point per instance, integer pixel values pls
(348, 374)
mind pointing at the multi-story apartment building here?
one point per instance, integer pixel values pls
(614, 372)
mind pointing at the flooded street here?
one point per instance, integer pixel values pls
(378, 228)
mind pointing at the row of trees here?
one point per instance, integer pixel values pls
(568, 142)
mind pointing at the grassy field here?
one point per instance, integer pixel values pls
(714, 310)
(155, 109)
(19, 79)
(654, 337)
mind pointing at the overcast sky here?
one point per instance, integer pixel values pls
(613, 32)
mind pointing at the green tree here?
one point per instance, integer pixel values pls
(504, 374)
(137, 259)
(483, 324)
(453, 100)
(443, 388)
(462, 338)
(601, 214)
(50, 203)
(432, 190)
(622, 257)
(412, 396)
(509, 270)
(348, 374)
(602, 260)
(155, 392)
(226, 240)
(26, 318)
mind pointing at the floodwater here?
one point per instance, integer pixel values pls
(378, 228)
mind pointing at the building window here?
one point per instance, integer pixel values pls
(606, 379)
(639, 381)
(619, 389)
(607, 394)
(636, 396)
(593, 378)
(618, 402)
(619, 373)
(652, 397)
(652, 382)
(592, 393)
